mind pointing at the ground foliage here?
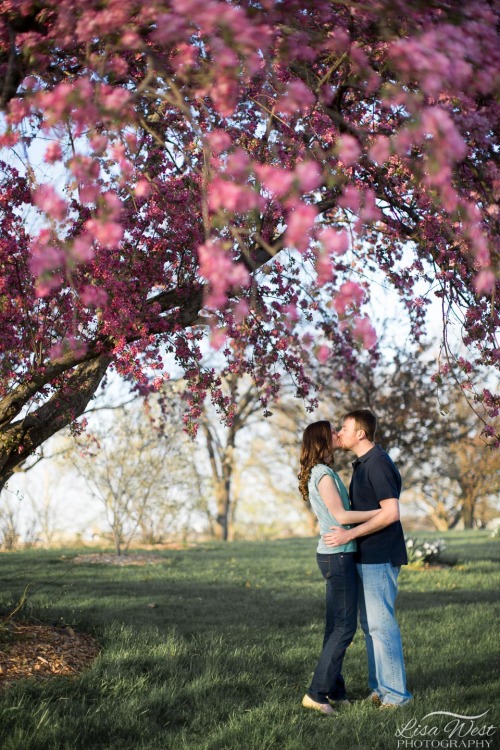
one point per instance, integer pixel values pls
(224, 658)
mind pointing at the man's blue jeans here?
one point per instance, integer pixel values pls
(378, 588)
(339, 572)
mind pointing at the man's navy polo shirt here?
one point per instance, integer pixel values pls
(375, 478)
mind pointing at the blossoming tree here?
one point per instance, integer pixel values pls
(182, 166)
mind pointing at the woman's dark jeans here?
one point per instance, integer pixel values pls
(339, 571)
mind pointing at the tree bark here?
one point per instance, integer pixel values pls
(468, 512)
(21, 438)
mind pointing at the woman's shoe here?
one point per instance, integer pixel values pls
(323, 708)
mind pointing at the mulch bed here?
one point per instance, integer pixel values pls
(42, 651)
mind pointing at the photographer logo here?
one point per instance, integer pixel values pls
(444, 730)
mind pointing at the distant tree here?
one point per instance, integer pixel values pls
(44, 507)
(221, 444)
(138, 472)
(462, 483)
(14, 533)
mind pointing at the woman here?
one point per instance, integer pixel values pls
(321, 486)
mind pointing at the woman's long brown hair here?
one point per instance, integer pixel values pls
(316, 449)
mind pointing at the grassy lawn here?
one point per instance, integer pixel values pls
(224, 658)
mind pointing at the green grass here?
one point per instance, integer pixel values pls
(224, 658)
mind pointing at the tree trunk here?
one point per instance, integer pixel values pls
(440, 523)
(222, 496)
(21, 438)
(468, 513)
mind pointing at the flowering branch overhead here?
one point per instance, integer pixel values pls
(176, 165)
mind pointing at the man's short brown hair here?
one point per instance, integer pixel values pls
(365, 420)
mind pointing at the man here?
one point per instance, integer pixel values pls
(376, 483)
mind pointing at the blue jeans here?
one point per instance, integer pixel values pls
(339, 572)
(378, 588)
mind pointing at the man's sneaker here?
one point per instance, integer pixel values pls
(323, 708)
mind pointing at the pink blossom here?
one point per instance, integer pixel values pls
(131, 140)
(29, 83)
(224, 94)
(142, 189)
(169, 28)
(218, 337)
(380, 150)
(334, 242)
(112, 205)
(291, 312)
(479, 247)
(9, 138)
(99, 144)
(115, 98)
(130, 40)
(338, 40)
(118, 66)
(89, 193)
(364, 332)
(219, 141)
(350, 294)
(118, 152)
(308, 174)
(218, 267)
(402, 141)
(300, 223)
(348, 150)
(185, 57)
(93, 296)
(225, 57)
(18, 110)
(56, 351)
(194, 8)
(47, 283)
(323, 353)
(46, 199)
(324, 268)
(275, 179)
(233, 197)
(44, 259)
(437, 122)
(298, 97)
(370, 212)
(82, 249)
(84, 168)
(484, 282)
(69, 344)
(108, 233)
(241, 310)
(238, 163)
(350, 198)
(53, 152)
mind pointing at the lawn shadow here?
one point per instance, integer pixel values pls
(420, 600)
